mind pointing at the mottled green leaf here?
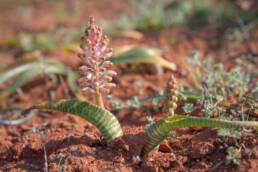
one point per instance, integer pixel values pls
(104, 120)
(160, 130)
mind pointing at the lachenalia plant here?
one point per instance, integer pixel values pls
(96, 78)
(160, 130)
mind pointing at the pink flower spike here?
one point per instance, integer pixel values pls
(95, 50)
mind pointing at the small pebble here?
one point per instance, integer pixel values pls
(126, 148)
(164, 147)
(138, 159)
(63, 167)
(33, 130)
(58, 157)
(74, 152)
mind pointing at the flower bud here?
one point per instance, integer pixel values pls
(107, 78)
(107, 64)
(111, 73)
(89, 76)
(174, 99)
(110, 85)
(83, 70)
(88, 89)
(104, 90)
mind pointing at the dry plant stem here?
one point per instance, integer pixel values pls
(217, 165)
(99, 98)
(98, 95)
(45, 154)
(60, 167)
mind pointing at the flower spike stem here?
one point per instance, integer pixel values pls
(98, 97)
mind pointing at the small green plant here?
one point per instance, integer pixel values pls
(233, 155)
(188, 108)
(219, 85)
(133, 103)
(233, 152)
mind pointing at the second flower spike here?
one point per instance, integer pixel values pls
(171, 97)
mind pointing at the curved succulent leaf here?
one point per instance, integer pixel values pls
(30, 70)
(17, 62)
(160, 130)
(142, 55)
(11, 73)
(104, 120)
(187, 95)
(16, 84)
